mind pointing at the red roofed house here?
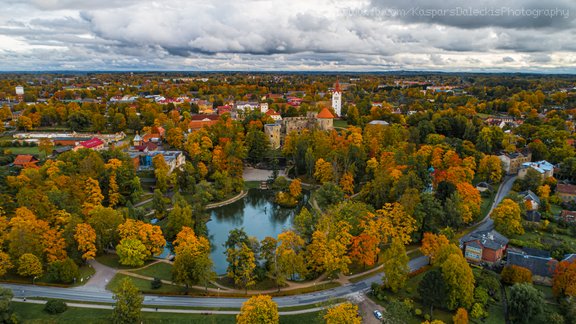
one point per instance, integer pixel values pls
(274, 115)
(566, 192)
(25, 160)
(325, 119)
(198, 124)
(94, 144)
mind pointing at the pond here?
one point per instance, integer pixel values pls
(256, 213)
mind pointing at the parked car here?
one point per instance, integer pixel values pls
(378, 314)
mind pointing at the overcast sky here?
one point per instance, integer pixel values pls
(324, 35)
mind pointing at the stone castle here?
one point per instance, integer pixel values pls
(277, 132)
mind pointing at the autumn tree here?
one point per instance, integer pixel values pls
(105, 222)
(26, 234)
(395, 266)
(260, 309)
(113, 189)
(343, 313)
(347, 183)
(93, 194)
(431, 245)
(295, 188)
(507, 218)
(564, 279)
(290, 255)
(459, 280)
(323, 171)
(241, 265)
(85, 237)
(470, 201)
(5, 263)
(29, 266)
(490, 169)
(525, 303)
(45, 145)
(364, 249)
(461, 316)
(512, 274)
(192, 264)
(54, 245)
(149, 235)
(175, 137)
(127, 308)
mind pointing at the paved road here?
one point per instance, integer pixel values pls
(487, 223)
(90, 295)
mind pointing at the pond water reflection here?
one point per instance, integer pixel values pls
(256, 213)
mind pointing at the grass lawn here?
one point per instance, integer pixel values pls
(23, 150)
(340, 123)
(251, 184)
(159, 270)
(33, 313)
(144, 286)
(496, 314)
(113, 261)
(545, 238)
(485, 204)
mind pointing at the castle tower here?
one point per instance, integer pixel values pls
(337, 99)
(325, 119)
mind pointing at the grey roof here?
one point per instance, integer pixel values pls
(538, 265)
(528, 194)
(489, 239)
(533, 216)
(474, 244)
(570, 257)
(378, 122)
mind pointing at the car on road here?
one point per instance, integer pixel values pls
(378, 314)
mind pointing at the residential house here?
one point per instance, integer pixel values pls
(25, 160)
(484, 246)
(568, 216)
(566, 192)
(511, 162)
(531, 200)
(274, 115)
(539, 262)
(545, 168)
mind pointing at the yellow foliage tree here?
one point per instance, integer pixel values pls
(323, 171)
(347, 183)
(507, 218)
(431, 245)
(259, 309)
(343, 313)
(461, 316)
(85, 236)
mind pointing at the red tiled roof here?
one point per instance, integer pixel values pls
(197, 124)
(272, 112)
(202, 117)
(24, 159)
(92, 143)
(337, 86)
(566, 189)
(325, 113)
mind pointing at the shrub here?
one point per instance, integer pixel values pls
(156, 283)
(514, 274)
(55, 306)
(418, 312)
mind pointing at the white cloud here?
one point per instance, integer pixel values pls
(268, 35)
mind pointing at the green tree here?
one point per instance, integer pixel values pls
(178, 217)
(432, 289)
(6, 315)
(132, 252)
(257, 145)
(192, 264)
(395, 266)
(29, 265)
(259, 309)
(127, 309)
(304, 223)
(159, 203)
(525, 304)
(64, 271)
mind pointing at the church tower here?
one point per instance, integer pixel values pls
(337, 99)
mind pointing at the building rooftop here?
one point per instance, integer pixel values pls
(92, 143)
(489, 239)
(325, 114)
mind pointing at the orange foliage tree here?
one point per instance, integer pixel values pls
(564, 279)
(431, 245)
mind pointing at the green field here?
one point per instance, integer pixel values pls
(340, 123)
(159, 270)
(33, 313)
(22, 150)
(145, 286)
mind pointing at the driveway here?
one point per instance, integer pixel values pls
(367, 308)
(101, 278)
